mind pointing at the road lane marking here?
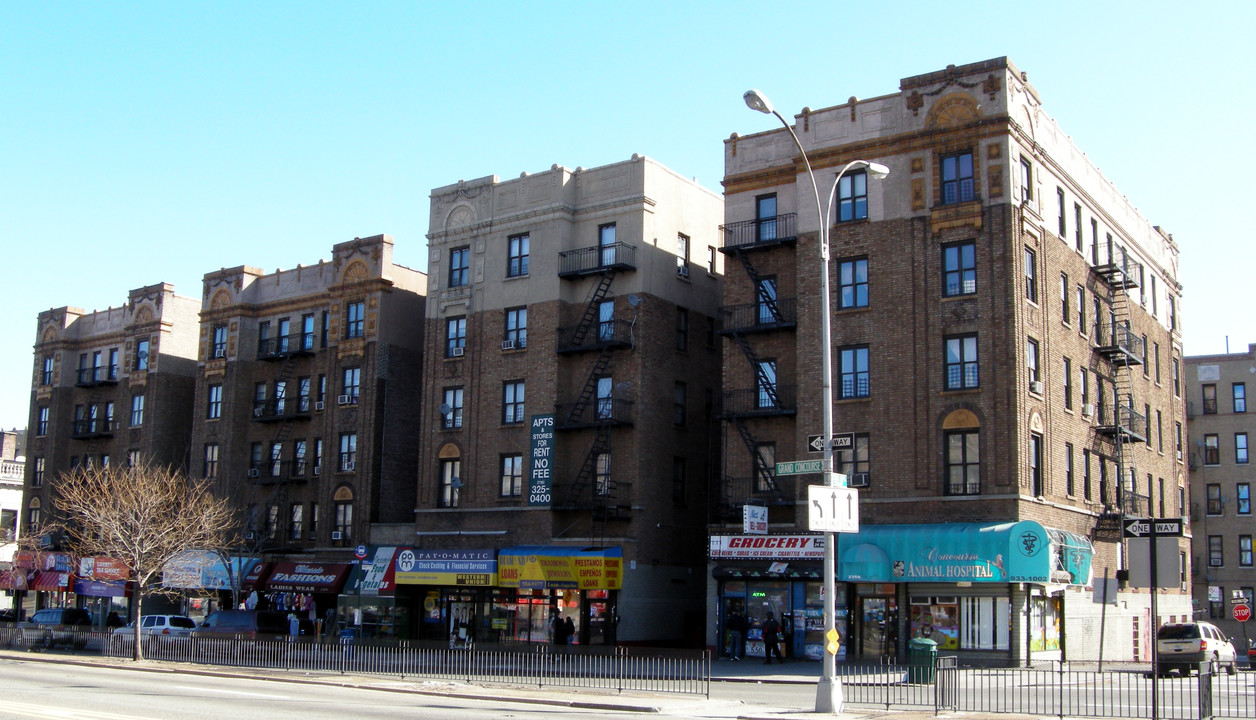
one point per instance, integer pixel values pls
(233, 692)
(30, 710)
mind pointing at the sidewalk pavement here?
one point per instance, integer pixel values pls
(662, 704)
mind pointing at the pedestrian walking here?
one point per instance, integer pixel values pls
(771, 640)
(737, 627)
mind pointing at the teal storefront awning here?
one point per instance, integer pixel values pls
(1023, 551)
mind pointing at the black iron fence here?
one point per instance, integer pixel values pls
(616, 669)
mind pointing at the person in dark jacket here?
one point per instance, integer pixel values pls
(737, 627)
(771, 640)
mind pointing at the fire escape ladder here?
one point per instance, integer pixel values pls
(590, 386)
(285, 374)
(763, 382)
(1125, 350)
(588, 471)
(590, 317)
(756, 281)
(764, 474)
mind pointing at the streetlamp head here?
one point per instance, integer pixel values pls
(877, 170)
(756, 100)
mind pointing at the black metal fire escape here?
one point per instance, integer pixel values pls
(768, 398)
(283, 411)
(594, 489)
(1114, 339)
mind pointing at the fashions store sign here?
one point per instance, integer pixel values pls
(767, 547)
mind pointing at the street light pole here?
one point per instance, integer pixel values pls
(828, 690)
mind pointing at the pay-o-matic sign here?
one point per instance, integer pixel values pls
(541, 460)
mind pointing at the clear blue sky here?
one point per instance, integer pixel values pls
(155, 142)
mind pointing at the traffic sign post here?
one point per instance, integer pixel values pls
(1152, 529)
(832, 509)
(1242, 612)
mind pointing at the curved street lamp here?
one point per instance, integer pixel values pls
(828, 690)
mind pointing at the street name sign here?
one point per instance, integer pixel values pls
(841, 441)
(800, 467)
(832, 509)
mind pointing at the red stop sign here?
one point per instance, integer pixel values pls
(1242, 612)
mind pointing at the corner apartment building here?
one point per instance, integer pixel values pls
(109, 386)
(569, 392)
(1006, 348)
(12, 472)
(1221, 479)
(307, 387)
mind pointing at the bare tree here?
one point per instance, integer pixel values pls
(143, 515)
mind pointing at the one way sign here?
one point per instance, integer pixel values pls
(1142, 527)
(841, 441)
(832, 509)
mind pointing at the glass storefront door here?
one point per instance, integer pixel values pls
(878, 626)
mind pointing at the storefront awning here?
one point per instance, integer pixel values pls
(963, 552)
(12, 579)
(307, 577)
(50, 581)
(550, 566)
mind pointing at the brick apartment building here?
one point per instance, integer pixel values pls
(1221, 479)
(569, 388)
(1006, 345)
(108, 386)
(307, 388)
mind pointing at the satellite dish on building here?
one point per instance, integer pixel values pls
(456, 483)
(634, 300)
(444, 409)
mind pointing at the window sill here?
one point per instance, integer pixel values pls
(960, 391)
(851, 400)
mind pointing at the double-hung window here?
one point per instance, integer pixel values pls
(355, 319)
(1243, 498)
(351, 384)
(214, 410)
(516, 328)
(512, 402)
(452, 408)
(963, 462)
(41, 421)
(957, 178)
(137, 410)
(1240, 396)
(1212, 450)
(512, 475)
(1031, 360)
(517, 251)
(852, 196)
(765, 380)
(853, 372)
(348, 451)
(1031, 275)
(1026, 180)
(459, 267)
(45, 374)
(455, 336)
(1240, 448)
(852, 283)
(961, 362)
(959, 269)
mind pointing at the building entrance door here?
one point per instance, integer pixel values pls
(878, 626)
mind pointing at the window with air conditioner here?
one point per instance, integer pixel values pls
(858, 480)
(457, 352)
(337, 535)
(508, 344)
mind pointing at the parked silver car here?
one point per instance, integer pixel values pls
(160, 625)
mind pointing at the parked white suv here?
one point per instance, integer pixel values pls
(1183, 646)
(160, 625)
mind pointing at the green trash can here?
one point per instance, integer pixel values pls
(922, 655)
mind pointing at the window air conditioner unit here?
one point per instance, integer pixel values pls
(508, 344)
(456, 352)
(257, 412)
(1088, 410)
(857, 480)
(337, 535)
(1179, 455)
(344, 399)
(682, 271)
(318, 405)
(250, 536)
(254, 472)
(318, 469)
(220, 353)
(1035, 386)
(347, 467)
